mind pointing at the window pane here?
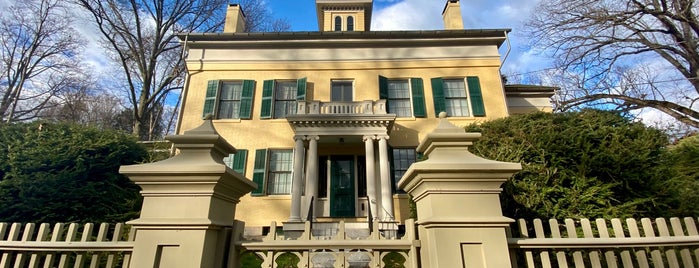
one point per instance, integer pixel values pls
(338, 23)
(455, 98)
(279, 176)
(229, 99)
(399, 98)
(402, 159)
(284, 98)
(350, 23)
(341, 91)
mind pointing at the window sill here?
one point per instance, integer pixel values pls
(405, 119)
(274, 197)
(227, 120)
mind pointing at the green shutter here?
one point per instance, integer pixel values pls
(267, 95)
(301, 89)
(438, 96)
(239, 161)
(474, 90)
(210, 100)
(259, 174)
(246, 99)
(418, 91)
(383, 90)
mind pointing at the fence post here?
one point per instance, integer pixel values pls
(189, 203)
(459, 217)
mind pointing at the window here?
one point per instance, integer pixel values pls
(279, 174)
(402, 159)
(284, 99)
(350, 23)
(237, 161)
(272, 172)
(338, 23)
(397, 93)
(453, 97)
(229, 99)
(341, 91)
(279, 97)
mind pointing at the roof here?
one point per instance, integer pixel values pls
(480, 36)
(530, 90)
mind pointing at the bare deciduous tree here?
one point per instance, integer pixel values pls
(139, 35)
(38, 57)
(626, 54)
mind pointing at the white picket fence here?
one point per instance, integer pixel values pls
(342, 248)
(64, 245)
(652, 243)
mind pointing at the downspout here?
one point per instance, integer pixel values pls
(507, 53)
(185, 87)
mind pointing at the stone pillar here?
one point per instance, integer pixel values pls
(371, 175)
(312, 173)
(386, 192)
(189, 203)
(460, 221)
(297, 183)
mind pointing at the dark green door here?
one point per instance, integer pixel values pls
(342, 196)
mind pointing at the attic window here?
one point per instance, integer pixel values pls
(350, 23)
(338, 23)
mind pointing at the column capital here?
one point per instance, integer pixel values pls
(383, 137)
(299, 137)
(369, 137)
(313, 137)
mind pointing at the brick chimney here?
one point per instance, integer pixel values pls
(452, 16)
(235, 19)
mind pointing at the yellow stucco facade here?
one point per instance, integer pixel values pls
(360, 130)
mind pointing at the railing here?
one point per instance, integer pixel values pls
(344, 248)
(64, 245)
(357, 107)
(655, 244)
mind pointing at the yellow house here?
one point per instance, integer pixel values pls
(327, 122)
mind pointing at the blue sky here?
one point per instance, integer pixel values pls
(426, 15)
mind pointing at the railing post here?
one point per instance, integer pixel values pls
(189, 203)
(459, 217)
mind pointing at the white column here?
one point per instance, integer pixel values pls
(297, 183)
(371, 175)
(386, 194)
(312, 174)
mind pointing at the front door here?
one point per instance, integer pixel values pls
(342, 194)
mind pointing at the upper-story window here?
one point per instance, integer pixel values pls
(341, 90)
(453, 96)
(229, 99)
(350, 23)
(284, 98)
(338, 23)
(404, 97)
(279, 97)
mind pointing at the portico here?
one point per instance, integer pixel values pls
(346, 178)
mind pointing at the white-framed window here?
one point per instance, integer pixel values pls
(279, 167)
(341, 90)
(455, 97)
(229, 99)
(284, 98)
(398, 101)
